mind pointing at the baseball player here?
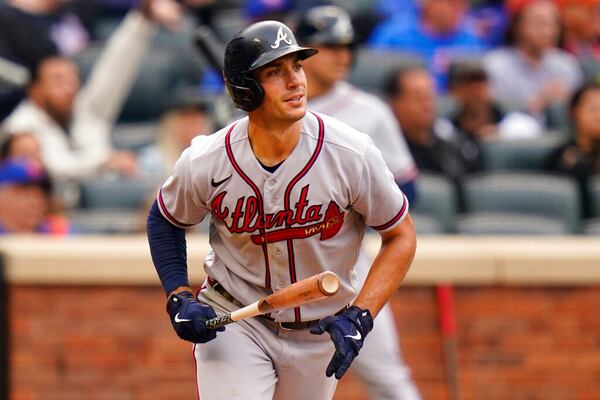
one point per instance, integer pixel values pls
(290, 194)
(329, 30)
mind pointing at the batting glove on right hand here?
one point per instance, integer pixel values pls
(189, 317)
(347, 331)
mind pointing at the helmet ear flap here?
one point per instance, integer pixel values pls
(245, 92)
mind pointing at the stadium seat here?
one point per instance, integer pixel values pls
(594, 193)
(509, 224)
(519, 154)
(533, 194)
(373, 66)
(107, 221)
(227, 23)
(127, 194)
(592, 227)
(426, 224)
(133, 136)
(154, 87)
(436, 203)
(557, 116)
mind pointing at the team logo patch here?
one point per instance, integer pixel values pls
(281, 37)
(299, 223)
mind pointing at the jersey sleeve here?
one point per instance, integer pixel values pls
(180, 198)
(378, 198)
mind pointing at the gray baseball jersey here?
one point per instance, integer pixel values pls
(271, 229)
(367, 113)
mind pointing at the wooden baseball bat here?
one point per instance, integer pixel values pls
(306, 291)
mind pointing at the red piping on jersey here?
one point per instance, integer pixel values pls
(395, 219)
(196, 369)
(167, 214)
(261, 210)
(288, 191)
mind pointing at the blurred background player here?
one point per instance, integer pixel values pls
(329, 29)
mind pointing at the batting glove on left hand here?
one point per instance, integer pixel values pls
(189, 317)
(347, 331)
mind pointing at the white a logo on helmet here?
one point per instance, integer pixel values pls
(281, 36)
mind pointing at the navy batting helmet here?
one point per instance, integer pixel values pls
(325, 25)
(252, 48)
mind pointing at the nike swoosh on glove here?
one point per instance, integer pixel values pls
(189, 317)
(347, 331)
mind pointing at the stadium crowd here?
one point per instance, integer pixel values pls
(498, 103)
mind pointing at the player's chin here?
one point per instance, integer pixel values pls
(295, 109)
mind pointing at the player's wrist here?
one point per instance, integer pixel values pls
(178, 290)
(361, 318)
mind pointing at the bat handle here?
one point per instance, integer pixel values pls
(219, 321)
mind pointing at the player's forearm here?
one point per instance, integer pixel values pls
(168, 249)
(389, 267)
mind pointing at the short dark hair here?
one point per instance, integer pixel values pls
(392, 84)
(466, 71)
(37, 67)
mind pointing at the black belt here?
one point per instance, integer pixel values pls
(291, 326)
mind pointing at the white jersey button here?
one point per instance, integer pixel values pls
(272, 182)
(274, 200)
(277, 253)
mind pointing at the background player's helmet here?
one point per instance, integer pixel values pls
(325, 25)
(252, 48)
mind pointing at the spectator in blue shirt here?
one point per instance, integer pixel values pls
(440, 34)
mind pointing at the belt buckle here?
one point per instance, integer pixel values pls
(283, 328)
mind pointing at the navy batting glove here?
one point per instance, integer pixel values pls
(189, 317)
(347, 331)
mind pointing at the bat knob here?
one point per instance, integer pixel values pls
(329, 283)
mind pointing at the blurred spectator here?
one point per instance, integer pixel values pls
(440, 34)
(187, 118)
(329, 29)
(22, 146)
(25, 200)
(490, 20)
(258, 10)
(580, 158)
(581, 32)
(73, 125)
(31, 30)
(531, 72)
(412, 96)
(203, 10)
(477, 117)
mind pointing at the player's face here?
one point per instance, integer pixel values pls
(284, 84)
(329, 65)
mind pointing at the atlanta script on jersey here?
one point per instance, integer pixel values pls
(271, 229)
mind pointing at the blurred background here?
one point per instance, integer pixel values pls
(498, 102)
